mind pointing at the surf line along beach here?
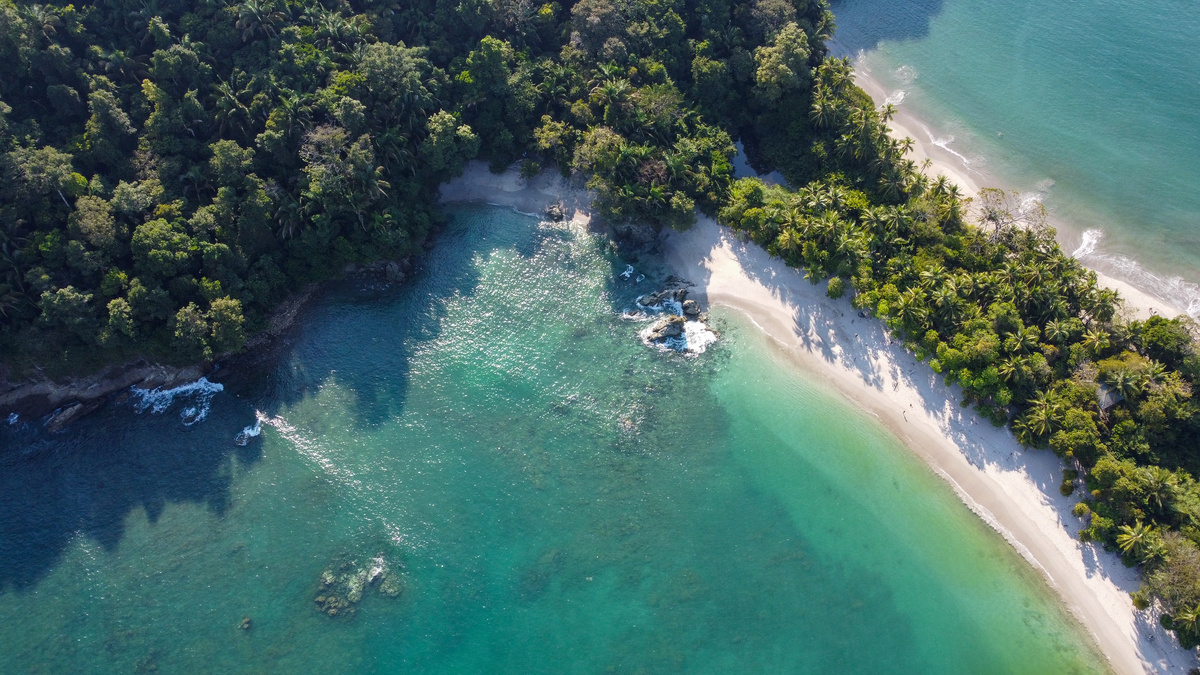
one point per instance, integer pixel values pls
(1013, 489)
(1140, 303)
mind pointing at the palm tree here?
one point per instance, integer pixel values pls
(119, 63)
(1095, 340)
(823, 27)
(258, 16)
(291, 218)
(1126, 382)
(44, 19)
(822, 112)
(1023, 341)
(1042, 418)
(193, 180)
(230, 113)
(1133, 539)
(893, 183)
(1160, 485)
(294, 113)
(1010, 367)
(1024, 432)
(1186, 620)
(1057, 331)
(1154, 372)
(933, 276)
(789, 240)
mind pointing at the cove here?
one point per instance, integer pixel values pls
(546, 493)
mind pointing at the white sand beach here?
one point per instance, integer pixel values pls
(1013, 489)
(1140, 303)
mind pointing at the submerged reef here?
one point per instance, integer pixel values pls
(342, 586)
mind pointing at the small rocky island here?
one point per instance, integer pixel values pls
(681, 327)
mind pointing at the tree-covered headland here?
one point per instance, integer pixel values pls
(171, 170)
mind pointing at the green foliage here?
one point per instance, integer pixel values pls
(162, 160)
(837, 288)
(1002, 313)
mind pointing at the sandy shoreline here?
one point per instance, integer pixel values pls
(1140, 303)
(1014, 490)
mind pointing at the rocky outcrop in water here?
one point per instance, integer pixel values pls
(682, 325)
(666, 327)
(555, 212)
(69, 399)
(342, 587)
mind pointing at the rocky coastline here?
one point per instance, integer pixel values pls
(59, 402)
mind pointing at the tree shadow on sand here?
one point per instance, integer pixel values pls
(864, 347)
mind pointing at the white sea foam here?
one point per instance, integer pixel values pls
(158, 400)
(906, 74)
(666, 305)
(1175, 290)
(13, 418)
(627, 273)
(944, 143)
(244, 436)
(695, 339)
(1088, 246)
(896, 97)
(698, 336)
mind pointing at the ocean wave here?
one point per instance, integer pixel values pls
(1091, 238)
(944, 144)
(158, 400)
(896, 97)
(249, 432)
(13, 418)
(1174, 290)
(905, 74)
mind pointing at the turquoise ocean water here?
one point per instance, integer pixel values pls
(1095, 106)
(543, 492)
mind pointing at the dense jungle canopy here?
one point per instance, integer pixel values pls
(173, 169)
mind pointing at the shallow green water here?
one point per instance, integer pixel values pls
(553, 496)
(1093, 105)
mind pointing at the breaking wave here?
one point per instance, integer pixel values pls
(158, 400)
(245, 435)
(1173, 289)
